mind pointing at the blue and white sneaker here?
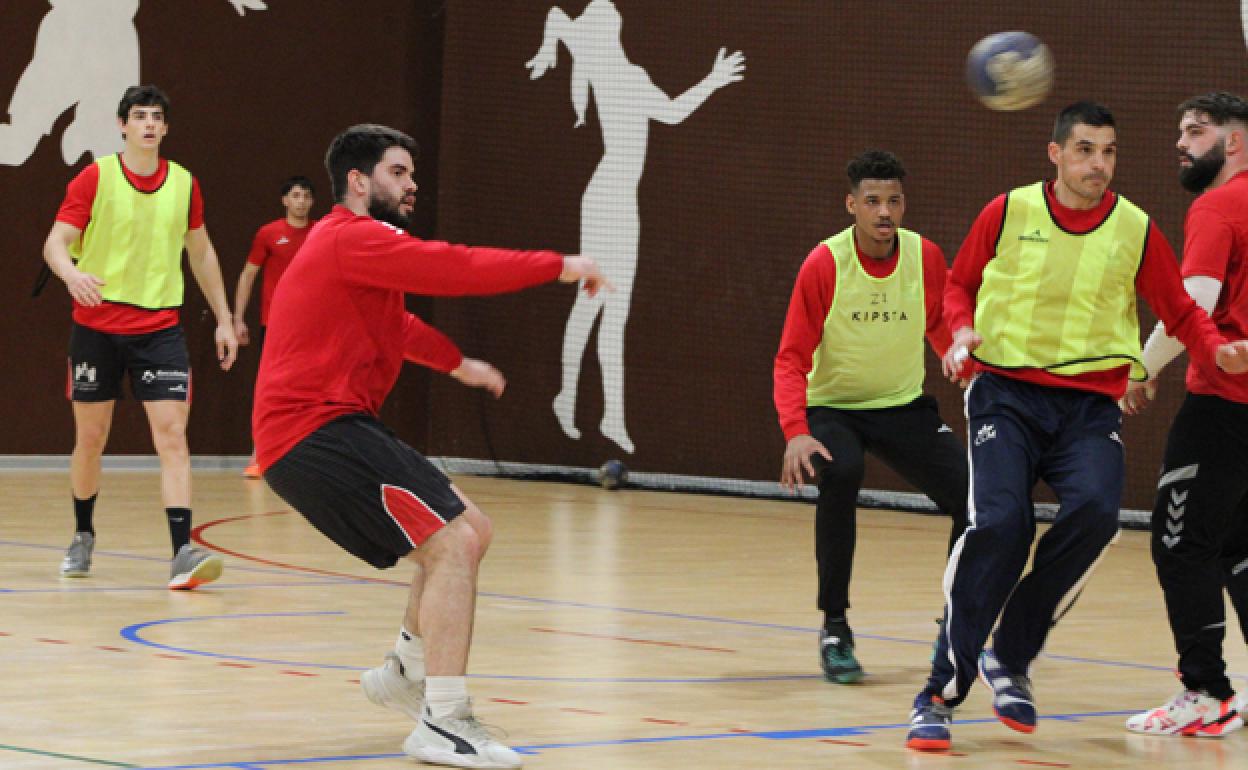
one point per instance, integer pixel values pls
(929, 724)
(1011, 694)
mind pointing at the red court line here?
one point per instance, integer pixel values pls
(170, 657)
(630, 639)
(51, 641)
(1041, 764)
(230, 664)
(652, 720)
(5, 633)
(197, 536)
(298, 673)
(842, 743)
(109, 648)
(510, 702)
(583, 711)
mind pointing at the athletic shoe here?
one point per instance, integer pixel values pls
(252, 471)
(458, 740)
(836, 654)
(77, 561)
(387, 686)
(929, 724)
(193, 567)
(1190, 712)
(1011, 694)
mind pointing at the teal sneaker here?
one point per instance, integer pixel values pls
(836, 655)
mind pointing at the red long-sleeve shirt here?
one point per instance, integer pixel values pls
(338, 331)
(1216, 245)
(808, 310)
(1157, 281)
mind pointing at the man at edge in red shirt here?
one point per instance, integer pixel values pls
(1200, 518)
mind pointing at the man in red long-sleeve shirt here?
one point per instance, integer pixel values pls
(1042, 294)
(849, 379)
(338, 334)
(1200, 515)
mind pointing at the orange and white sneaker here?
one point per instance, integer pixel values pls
(252, 471)
(193, 567)
(1191, 712)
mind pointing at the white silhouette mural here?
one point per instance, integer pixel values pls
(86, 54)
(626, 101)
(1243, 17)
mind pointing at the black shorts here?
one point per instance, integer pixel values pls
(157, 362)
(365, 489)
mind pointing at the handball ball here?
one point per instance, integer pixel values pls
(612, 474)
(1010, 70)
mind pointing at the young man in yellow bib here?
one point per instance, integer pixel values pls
(1042, 296)
(848, 379)
(117, 244)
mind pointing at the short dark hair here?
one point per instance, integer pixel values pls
(360, 148)
(142, 96)
(874, 164)
(1087, 113)
(1220, 106)
(297, 181)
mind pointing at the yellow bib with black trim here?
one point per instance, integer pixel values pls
(1061, 301)
(871, 352)
(134, 240)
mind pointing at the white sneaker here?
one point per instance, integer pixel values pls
(387, 686)
(1189, 713)
(460, 741)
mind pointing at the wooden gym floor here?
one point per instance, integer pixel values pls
(615, 630)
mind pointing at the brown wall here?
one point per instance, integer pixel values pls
(731, 201)
(734, 198)
(254, 100)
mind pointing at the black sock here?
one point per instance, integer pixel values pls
(836, 623)
(84, 512)
(179, 527)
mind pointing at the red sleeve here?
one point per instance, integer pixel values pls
(1159, 283)
(935, 271)
(372, 253)
(196, 218)
(425, 345)
(803, 330)
(79, 197)
(259, 248)
(1208, 242)
(968, 267)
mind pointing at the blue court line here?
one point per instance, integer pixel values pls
(533, 749)
(133, 633)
